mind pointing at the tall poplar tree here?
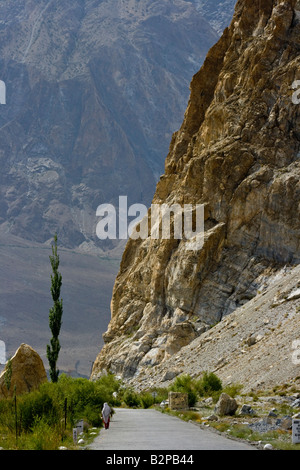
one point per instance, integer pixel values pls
(55, 314)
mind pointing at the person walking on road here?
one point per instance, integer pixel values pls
(106, 412)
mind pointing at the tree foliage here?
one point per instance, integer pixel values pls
(55, 313)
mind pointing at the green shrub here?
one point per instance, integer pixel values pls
(233, 389)
(92, 415)
(209, 384)
(42, 437)
(185, 384)
(47, 415)
(7, 414)
(161, 394)
(34, 406)
(131, 399)
(146, 399)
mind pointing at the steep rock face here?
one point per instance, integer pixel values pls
(237, 152)
(27, 372)
(94, 92)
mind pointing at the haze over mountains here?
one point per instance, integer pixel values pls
(94, 93)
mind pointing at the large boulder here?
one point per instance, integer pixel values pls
(27, 372)
(226, 405)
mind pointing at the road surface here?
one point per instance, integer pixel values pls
(151, 430)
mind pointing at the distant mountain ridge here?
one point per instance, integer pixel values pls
(94, 93)
(217, 12)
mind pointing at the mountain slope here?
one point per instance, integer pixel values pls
(217, 12)
(94, 93)
(237, 152)
(257, 346)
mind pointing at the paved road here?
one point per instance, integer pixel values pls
(152, 430)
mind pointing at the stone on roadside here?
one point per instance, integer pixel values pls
(247, 410)
(212, 417)
(226, 405)
(251, 340)
(286, 423)
(268, 447)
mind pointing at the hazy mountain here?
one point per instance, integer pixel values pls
(94, 92)
(217, 12)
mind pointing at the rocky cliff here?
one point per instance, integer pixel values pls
(237, 152)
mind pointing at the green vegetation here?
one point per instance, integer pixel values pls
(185, 384)
(209, 385)
(8, 374)
(55, 313)
(131, 399)
(44, 419)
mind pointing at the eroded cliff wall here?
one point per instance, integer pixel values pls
(237, 152)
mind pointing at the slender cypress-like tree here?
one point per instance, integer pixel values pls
(55, 313)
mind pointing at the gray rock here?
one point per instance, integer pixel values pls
(264, 425)
(212, 418)
(286, 423)
(170, 375)
(208, 401)
(251, 340)
(269, 424)
(226, 405)
(247, 410)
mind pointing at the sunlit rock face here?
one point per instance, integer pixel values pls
(237, 153)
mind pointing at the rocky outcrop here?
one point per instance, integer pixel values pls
(237, 152)
(27, 373)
